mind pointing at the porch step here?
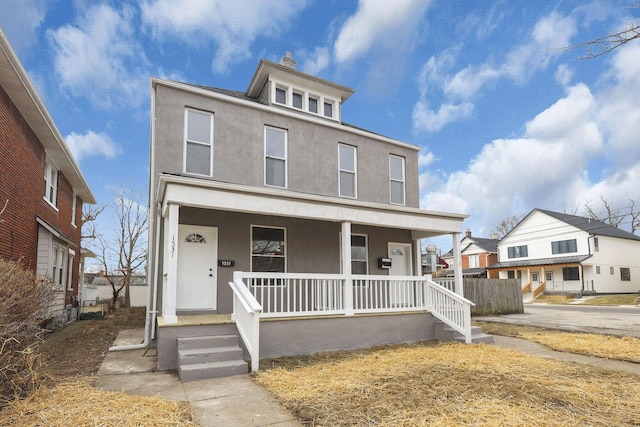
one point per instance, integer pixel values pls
(210, 356)
(444, 332)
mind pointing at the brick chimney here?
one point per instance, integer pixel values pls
(288, 61)
(468, 233)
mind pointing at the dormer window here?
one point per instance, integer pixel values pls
(281, 95)
(328, 109)
(313, 105)
(297, 100)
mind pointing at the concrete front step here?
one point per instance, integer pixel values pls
(208, 341)
(200, 371)
(444, 332)
(204, 355)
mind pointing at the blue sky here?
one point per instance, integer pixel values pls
(506, 123)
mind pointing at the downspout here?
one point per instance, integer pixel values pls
(148, 321)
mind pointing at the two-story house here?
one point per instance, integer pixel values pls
(269, 198)
(477, 253)
(42, 189)
(556, 252)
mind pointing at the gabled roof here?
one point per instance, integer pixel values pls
(489, 245)
(16, 83)
(589, 225)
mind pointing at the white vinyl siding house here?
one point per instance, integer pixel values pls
(570, 252)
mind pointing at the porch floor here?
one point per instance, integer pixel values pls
(197, 320)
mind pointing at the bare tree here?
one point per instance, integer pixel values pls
(615, 216)
(603, 45)
(90, 214)
(125, 250)
(507, 224)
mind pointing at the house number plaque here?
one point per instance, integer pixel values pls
(226, 262)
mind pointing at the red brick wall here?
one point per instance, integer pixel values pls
(22, 159)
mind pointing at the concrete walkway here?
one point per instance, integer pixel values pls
(232, 401)
(238, 401)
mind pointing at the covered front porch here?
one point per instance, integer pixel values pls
(327, 294)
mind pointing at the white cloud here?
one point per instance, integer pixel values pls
(92, 144)
(21, 23)
(233, 25)
(461, 88)
(564, 74)
(546, 167)
(375, 23)
(99, 58)
(315, 62)
(425, 158)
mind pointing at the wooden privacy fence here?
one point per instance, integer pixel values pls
(494, 296)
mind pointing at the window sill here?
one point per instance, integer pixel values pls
(51, 204)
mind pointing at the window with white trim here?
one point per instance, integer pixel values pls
(275, 157)
(474, 261)
(518, 251)
(625, 274)
(328, 108)
(72, 258)
(74, 209)
(297, 100)
(198, 142)
(359, 257)
(396, 180)
(564, 246)
(57, 261)
(597, 269)
(596, 244)
(347, 167)
(268, 249)
(313, 104)
(281, 95)
(50, 183)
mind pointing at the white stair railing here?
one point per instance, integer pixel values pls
(450, 308)
(246, 313)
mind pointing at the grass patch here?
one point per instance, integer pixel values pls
(77, 403)
(615, 348)
(553, 299)
(445, 384)
(629, 299)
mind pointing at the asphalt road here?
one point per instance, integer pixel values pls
(622, 321)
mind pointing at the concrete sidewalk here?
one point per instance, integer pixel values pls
(230, 401)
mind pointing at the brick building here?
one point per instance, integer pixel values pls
(42, 189)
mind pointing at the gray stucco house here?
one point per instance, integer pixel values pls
(274, 221)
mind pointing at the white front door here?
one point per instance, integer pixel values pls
(197, 267)
(401, 291)
(549, 280)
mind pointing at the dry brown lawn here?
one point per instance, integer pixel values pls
(444, 384)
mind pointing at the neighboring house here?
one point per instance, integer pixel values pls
(99, 288)
(556, 252)
(41, 186)
(477, 253)
(265, 204)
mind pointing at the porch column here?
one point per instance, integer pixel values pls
(345, 245)
(170, 270)
(417, 249)
(457, 264)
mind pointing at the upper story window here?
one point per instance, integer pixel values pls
(564, 246)
(281, 95)
(275, 156)
(268, 249)
(474, 261)
(517, 251)
(313, 104)
(625, 274)
(347, 164)
(596, 244)
(301, 99)
(74, 209)
(50, 183)
(396, 179)
(198, 142)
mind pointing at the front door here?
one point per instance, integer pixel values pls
(549, 280)
(197, 272)
(401, 291)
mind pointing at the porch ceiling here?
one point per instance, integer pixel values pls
(193, 192)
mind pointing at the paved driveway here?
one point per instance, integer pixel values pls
(622, 321)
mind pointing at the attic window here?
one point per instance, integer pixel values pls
(328, 109)
(297, 100)
(313, 105)
(281, 96)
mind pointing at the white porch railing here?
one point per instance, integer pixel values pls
(246, 313)
(306, 294)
